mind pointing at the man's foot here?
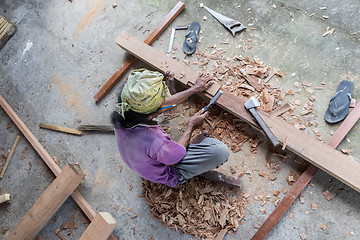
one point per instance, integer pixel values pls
(170, 82)
(199, 138)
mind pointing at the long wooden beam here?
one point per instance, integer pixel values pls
(48, 203)
(305, 177)
(100, 228)
(161, 62)
(79, 199)
(131, 60)
(342, 167)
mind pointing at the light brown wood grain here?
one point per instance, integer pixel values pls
(48, 203)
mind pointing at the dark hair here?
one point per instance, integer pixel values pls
(131, 118)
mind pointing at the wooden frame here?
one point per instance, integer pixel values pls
(305, 178)
(131, 60)
(79, 199)
(48, 203)
(340, 166)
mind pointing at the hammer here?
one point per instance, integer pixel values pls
(251, 106)
(172, 36)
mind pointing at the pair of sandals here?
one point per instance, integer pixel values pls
(340, 102)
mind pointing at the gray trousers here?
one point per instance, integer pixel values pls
(202, 157)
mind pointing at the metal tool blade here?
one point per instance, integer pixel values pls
(232, 25)
(172, 36)
(213, 100)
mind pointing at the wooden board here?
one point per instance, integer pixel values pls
(305, 178)
(302, 144)
(131, 60)
(333, 162)
(61, 129)
(160, 61)
(100, 228)
(79, 199)
(48, 203)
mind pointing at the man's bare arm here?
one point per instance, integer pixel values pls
(201, 84)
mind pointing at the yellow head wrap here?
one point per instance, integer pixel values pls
(144, 92)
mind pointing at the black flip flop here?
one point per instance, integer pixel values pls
(340, 102)
(191, 38)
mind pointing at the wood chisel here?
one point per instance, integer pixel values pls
(213, 100)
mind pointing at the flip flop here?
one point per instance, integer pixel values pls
(340, 102)
(191, 38)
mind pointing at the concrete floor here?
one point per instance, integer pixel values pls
(64, 51)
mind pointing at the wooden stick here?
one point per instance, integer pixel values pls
(305, 178)
(48, 203)
(160, 61)
(131, 60)
(100, 128)
(4, 198)
(100, 228)
(9, 156)
(61, 129)
(333, 162)
(79, 199)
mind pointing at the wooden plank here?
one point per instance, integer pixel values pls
(131, 60)
(301, 143)
(48, 203)
(4, 198)
(161, 62)
(345, 127)
(335, 163)
(79, 199)
(100, 228)
(305, 178)
(9, 156)
(61, 129)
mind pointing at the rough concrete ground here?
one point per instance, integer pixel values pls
(64, 51)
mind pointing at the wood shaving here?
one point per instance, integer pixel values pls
(323, 227)
(198, 207)
(327, 195)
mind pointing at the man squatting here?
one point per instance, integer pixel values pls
(145, 147)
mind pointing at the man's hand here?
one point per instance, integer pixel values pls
(197, 120)
(203, 83)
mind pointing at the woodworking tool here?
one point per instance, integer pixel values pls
(251, 106)
(232, 25)
(172, 36)
(213, 100)
(220, 177)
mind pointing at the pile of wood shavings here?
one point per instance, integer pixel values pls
(199, 207)
(242, 76)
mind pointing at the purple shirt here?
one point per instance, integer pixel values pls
(149, 151)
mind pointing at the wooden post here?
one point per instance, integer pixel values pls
(48, 203)
(131, 60)
(9, 156)
(100, 228)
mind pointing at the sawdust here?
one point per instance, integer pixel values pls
(88, 17)
(199, 207)
(72, 98)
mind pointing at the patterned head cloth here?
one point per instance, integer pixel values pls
(144, 92)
